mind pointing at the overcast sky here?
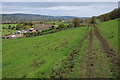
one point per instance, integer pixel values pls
(81, 9)
(59, 0)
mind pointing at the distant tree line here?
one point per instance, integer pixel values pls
(24, 25)
(9, 27)
(110, 16)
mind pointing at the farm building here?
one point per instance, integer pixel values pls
(18, 32)
(40, 27)
(9, 36)
(24, 31)
(31, 30)
(13, 36)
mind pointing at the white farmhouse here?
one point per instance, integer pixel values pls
(13, 36)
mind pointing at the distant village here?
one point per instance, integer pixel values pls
(36, 28)
(29, 29)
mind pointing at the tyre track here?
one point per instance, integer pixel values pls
(111, 54)
(87, 69)
(89, 56)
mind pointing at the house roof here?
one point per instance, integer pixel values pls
(18, 31)
(41, 27)
(24, 31)
(31, 29)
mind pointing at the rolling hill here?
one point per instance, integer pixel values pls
(32, 17)
(83, 52)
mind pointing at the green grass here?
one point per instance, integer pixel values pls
(7, 31)
(36, 55)
(110, 31)
(6, 25)
(56, 25)
(79, 61)
(101, 62)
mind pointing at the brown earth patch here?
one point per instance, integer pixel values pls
(38, 62)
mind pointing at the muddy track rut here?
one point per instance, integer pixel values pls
(89, 56)
(110, 52)
(104, 48)
(89, 68)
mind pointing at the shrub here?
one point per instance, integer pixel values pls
(61, 26)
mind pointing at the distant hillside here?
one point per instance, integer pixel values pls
(31, 17)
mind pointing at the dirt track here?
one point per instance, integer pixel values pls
(89, 56)
(104, 49)
(111, 54)
(94, 37)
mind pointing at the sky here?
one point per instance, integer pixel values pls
(59, 0)
(78, 9)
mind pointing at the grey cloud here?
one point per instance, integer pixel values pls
(60, 8)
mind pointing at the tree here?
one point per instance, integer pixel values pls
(61, 26)
(114, 14)
(111, 15)
(17, 28)
(53, 27)
(76, 22)
(53, 23)
(93, 20)
(9, 27)
(13, 27)
(68, 26)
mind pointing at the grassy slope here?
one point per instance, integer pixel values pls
(110, 31)
(7, 31)
(32, 56)
(101, 61)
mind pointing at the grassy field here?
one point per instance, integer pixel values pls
(7, 31)
(83, 52)
(40, 54)
(110, 31)
(6, 25)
